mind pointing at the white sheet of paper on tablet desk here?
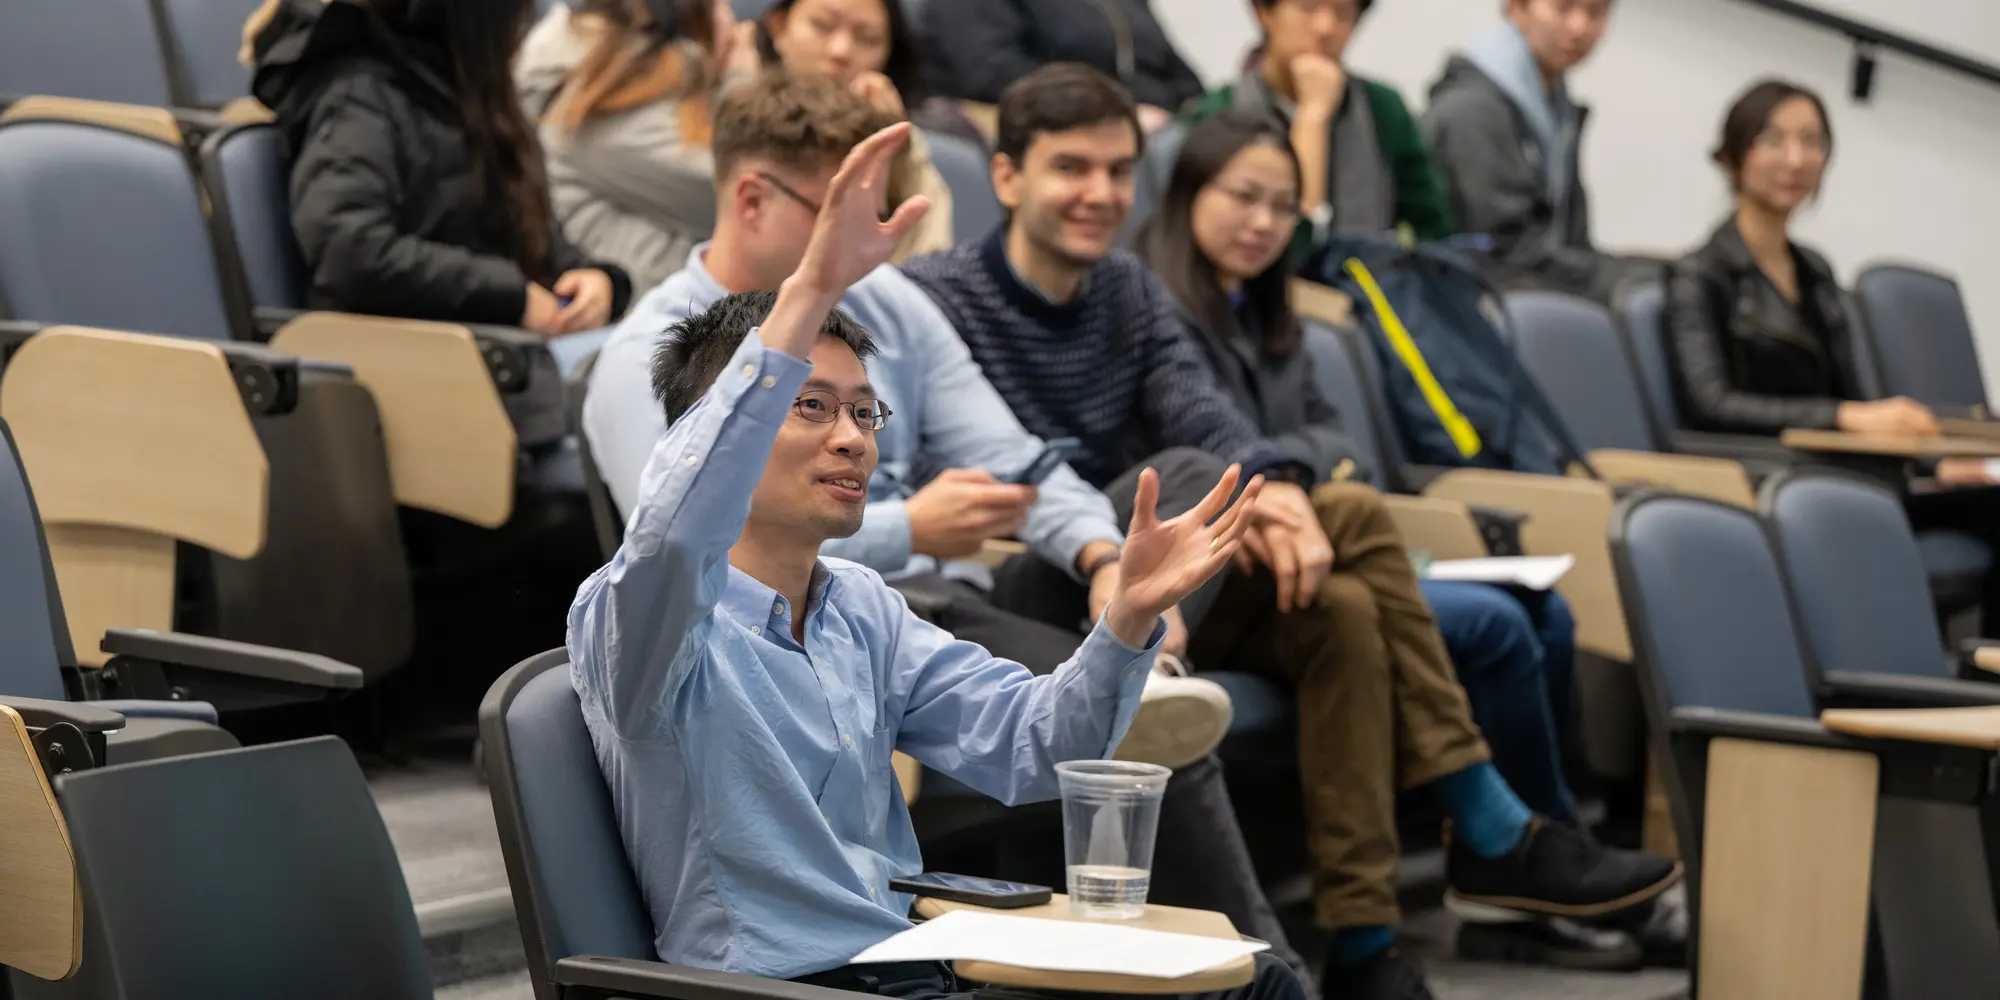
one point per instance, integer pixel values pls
(1057, 945)
(1532, 572)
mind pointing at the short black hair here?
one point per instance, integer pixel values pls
(693, 352)
(1059, 97)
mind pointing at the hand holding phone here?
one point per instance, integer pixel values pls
(1058, 451)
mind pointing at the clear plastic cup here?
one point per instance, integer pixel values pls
(1111, 812)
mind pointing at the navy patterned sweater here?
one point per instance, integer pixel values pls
(1112, 367)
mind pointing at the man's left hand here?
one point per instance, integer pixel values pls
(1165, 561)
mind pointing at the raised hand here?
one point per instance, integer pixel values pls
(850, 239)
(1164, 561)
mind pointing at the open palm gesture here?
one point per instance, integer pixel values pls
(849, 238)
(1164, 561)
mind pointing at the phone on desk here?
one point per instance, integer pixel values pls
(1058, 451)
(988, 892)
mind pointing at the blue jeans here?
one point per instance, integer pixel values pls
(1515, 653)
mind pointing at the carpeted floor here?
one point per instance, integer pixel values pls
(441, 821)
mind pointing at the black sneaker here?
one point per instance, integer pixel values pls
(1557, 871)
(1558, 942)
(1389, 975)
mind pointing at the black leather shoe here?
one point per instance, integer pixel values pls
(1557, 871)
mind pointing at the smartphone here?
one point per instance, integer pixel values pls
(988, 892)
(1044, 465)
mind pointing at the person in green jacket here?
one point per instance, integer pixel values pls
(1361, 151)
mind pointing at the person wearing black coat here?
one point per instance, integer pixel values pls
(417, 188)
(978, 47)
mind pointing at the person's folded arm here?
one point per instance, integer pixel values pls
(640, 624)
(1712, 402)
(346, 193)
(989, 723)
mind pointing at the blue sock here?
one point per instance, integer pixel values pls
(1486, 814)
(1355, 945)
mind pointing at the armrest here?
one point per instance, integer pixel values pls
(508, 352)
(1446, 529)
(1852, 689)
(995, 551)
(1746, 448)
(1716, 723)
(244, 659)
(270, 319)
(267, 379)
(39, 713)
(640, 978)
(1977, 657)
(1417, 478)
(1715, 478)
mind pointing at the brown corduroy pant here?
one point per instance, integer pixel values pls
(1379, 706)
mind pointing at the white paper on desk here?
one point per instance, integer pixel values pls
(1532, 572)
(1058, 945)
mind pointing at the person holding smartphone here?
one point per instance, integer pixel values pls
(936, 494)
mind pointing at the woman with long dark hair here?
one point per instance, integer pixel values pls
(622, 90)
(870, 48)
(1220, 241)
(417, 185)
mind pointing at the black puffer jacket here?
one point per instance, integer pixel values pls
(384, 204)
(978, 47)
(1748, 361)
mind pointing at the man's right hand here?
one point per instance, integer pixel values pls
(959, 510)
(1901, 416)
(849, 239)
(1321, 85)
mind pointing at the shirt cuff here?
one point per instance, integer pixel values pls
(766, 380)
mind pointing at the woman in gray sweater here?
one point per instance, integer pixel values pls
(622, 91)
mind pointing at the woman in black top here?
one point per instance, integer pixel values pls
(1760, 338)
(417, 185)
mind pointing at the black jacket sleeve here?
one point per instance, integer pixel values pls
(1712, 401)
(1183, 403)
(1321, 443)
(979, 47)
(347, 188)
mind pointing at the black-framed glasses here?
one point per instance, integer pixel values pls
(822, 407)
(790, 192)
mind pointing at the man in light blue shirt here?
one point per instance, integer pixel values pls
(744, 695)
(770, 172)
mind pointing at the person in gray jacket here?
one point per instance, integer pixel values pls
(1507, 136)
